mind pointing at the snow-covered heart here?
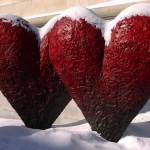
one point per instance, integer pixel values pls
(27, 77)
(105, 66)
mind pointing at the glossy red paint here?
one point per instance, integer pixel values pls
(27, 78)
(110, 84)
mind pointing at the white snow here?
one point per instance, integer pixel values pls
(16, 21)
(75, 13)
(47, 27)
(75, 136)
(78, 136)
(142, 9)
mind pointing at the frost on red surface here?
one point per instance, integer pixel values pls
(24, 74)
(110, 83)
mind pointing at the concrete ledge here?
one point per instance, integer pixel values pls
(38, 13)
(106, 10)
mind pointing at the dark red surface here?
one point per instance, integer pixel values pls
(110, 83)
(27, 78)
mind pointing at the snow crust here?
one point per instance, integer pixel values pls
(16, 21)
(142, 9)
(75, 136)
(47, 27)
(75, 13)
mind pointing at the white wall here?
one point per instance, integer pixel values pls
(71, 113)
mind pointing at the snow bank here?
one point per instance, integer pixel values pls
(76, 136)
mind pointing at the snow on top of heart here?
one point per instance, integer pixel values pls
(16, 21)
(75, 13)
(46, 28)
(142, 9)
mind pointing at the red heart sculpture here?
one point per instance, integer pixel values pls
(27, 77)
(110, 83)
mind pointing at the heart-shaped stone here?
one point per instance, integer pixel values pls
(107, 77)
(27, 77)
